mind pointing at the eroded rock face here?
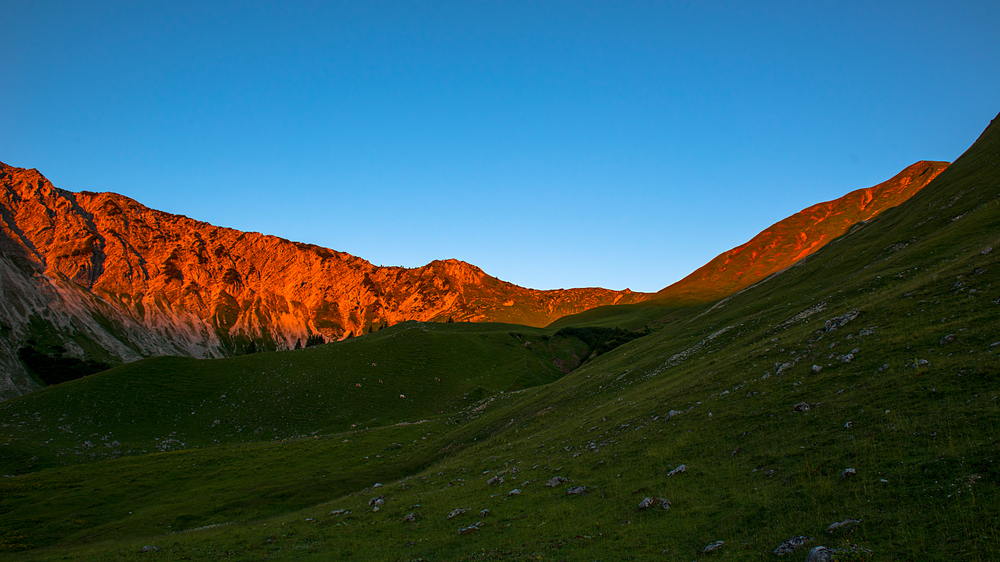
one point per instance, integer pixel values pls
(167, 284)
(792, 239)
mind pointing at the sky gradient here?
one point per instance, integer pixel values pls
(553, 144)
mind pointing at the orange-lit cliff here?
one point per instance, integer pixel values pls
(165, 284)
(791, 239)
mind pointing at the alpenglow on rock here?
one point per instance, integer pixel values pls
(139, 282)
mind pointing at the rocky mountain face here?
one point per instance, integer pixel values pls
(792, 239)
(100, 276)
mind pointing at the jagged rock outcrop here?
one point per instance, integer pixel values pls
(112, 279)
(792, 239)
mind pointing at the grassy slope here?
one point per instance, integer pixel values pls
(923, 439)
(411, 371)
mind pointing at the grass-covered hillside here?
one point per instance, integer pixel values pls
(857, 388)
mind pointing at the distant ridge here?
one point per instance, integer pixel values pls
(108, 278)
(789, 240)
(99, 276)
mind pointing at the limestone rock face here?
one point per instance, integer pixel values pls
(139, 282)
(792, 239)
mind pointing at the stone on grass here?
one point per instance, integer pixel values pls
(816, 368)
(801, 407)
(791, 545)
(149, 548)
(555, 481)
(485, 513)
(578, 490)
(338, 512)
(820, 554)
(410, 517)
(680, 469)
(713, 547)
(649, 502)
(842, 524)
(468, 530)
(514, 492)
(947, 339)
(457, 512)
(848, 472)
(834, 323)
(495, 480)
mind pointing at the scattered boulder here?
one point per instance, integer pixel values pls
(469, 530)
(801, 407)
(673, 413)
(848, 473)
(377, 485)
(485, 513)
(846, 358)
(816, 368)
(791, 545)
(842, 524)
(514, 492)
(377, 501)
(496, 480)
(679, 470)
(457, 512)
(555, 481)
(339, 512)
(713, 547)
(771, 473)
(820, 554)
(834, 323)
(648, 502)
(410, 517)
(577, 490)
(149, 548)
(947, 339)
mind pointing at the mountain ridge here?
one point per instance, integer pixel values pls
(101, 270)
(791, 239)
(101, 276)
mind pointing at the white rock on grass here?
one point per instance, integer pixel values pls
(713, 547)
(842, 524)
(820, 554)
(457, 512)
(791, 545)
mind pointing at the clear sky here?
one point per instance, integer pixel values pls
(553, 144)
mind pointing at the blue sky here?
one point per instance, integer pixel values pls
(553, 144)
